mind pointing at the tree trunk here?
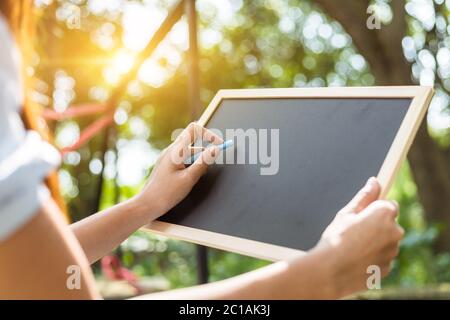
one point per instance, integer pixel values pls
(382, 48)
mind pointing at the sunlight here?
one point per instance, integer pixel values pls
(123, 61)
(120, 64)
(139, 22)
(153, 74)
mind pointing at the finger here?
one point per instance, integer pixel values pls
(384, 208)
(389, 253)
(189, 135)
(194, 131)
(394, 204)
(393, 251)
(195, 150)
(210, 136)
(194, 153)
(368, 194)
(183, 143)
(399, 233)
(199, 167)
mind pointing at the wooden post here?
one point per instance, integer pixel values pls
(195, 106)
(193, 56)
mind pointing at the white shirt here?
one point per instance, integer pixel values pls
(25, 159)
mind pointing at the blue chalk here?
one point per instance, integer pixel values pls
(221, 147)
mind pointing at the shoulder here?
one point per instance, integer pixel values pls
(10, 64)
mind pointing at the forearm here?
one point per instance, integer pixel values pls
(100, 233)
(307, 277)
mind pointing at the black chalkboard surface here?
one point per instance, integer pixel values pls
(328, 147)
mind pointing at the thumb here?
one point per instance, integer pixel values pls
(199, 167)
(368, 194)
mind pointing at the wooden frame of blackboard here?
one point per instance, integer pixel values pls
(420, 98)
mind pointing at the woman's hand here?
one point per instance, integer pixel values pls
(171, 181)
(364, 233)
(168, 184)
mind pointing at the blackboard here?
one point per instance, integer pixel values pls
(328, 148)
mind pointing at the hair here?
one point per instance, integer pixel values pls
(20, 18)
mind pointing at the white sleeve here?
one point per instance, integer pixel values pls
(25, 159)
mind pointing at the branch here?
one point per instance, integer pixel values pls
(381, 48)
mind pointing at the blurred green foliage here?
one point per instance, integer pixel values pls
(416, 264)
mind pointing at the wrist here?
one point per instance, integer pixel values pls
(145, 207)
(329, 257)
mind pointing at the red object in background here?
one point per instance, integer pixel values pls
(113, 270)
(89, 132)
(74, 111)
(81, 111)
